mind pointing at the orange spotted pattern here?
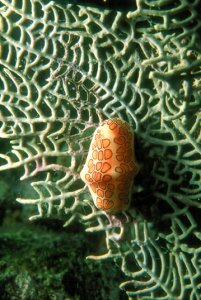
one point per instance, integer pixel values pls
(111, 166)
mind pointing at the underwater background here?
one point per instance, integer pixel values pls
(64, 67)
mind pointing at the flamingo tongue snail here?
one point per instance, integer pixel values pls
(111, 166)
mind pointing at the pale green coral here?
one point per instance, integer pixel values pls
(66, 67)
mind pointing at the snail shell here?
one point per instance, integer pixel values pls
(111, 166)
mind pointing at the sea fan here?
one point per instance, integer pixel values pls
(63, 69)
